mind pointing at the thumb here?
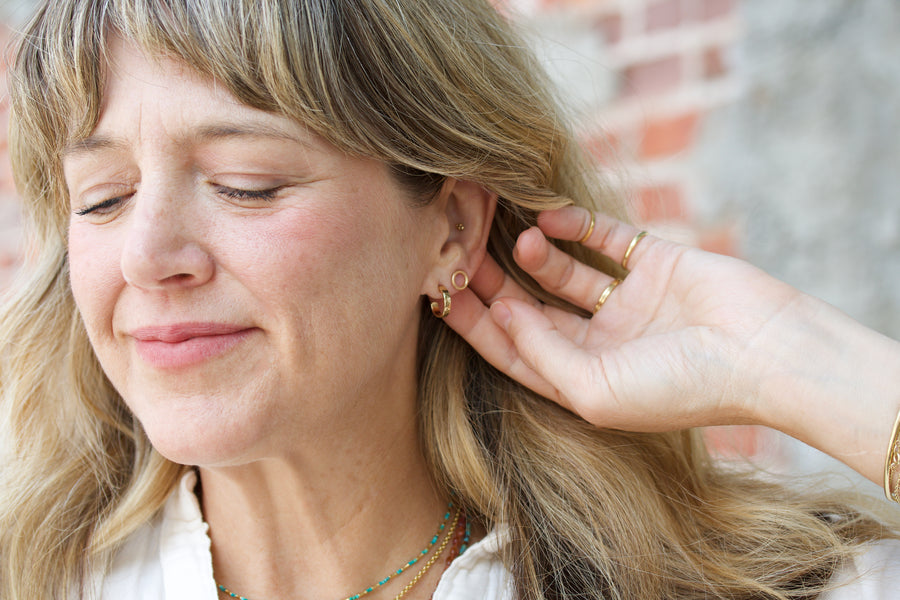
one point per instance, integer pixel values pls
(544, 349)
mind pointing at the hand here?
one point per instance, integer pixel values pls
(688, 339)
(675, 344)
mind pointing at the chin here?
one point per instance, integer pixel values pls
(208, 440)
(209, 452)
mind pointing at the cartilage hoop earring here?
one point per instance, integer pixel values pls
(465, 280)
(441, 311)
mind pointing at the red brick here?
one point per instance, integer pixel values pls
(660, 203)
(716, 9)
(606, 148)
(665, 137)
(652, 77)
(664, 15)
(723, 240)
(7, 184)
(8, 260)
(714, 63)
(564, 3)
(736, 441)
(610, 28)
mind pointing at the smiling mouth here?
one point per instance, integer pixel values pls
(180, 346)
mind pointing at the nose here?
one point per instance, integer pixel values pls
(164, 247)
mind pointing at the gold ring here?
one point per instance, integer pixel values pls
(634, 242)
(589, 231)
(609, 290)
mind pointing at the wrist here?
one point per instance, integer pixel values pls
(836, 386)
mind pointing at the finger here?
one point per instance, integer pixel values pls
(491, 282)
(573, 326)
(546, 351)
(558, 272)
(471, 319)
(610, 236)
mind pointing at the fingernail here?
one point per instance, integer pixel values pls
(501, 314)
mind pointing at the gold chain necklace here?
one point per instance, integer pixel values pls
(418, 576)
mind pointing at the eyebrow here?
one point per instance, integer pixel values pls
(210, 132)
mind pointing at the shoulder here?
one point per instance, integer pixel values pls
(874, 574)
(135, 566)
(169, 557)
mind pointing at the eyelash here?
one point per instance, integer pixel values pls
(106, 204)
(239, 194)
(234, 193)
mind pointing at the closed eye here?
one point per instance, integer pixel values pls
(100, 207)
(239, 194)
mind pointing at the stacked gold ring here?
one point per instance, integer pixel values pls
(631, 246)
(590, 230)
(605, 295)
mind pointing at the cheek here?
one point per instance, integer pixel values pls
(94, 276)
(336, 275)
(299, 250)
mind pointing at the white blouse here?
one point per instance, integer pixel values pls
(170, 559)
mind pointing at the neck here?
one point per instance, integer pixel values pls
(326, 521)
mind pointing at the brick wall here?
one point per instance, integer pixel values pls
(671, 61)
(672, 64)
(10, 234)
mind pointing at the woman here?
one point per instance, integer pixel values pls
(222, 379)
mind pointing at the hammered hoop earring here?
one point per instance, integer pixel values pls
(441, 311)
(465, 282)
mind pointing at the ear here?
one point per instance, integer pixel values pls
(466, 212)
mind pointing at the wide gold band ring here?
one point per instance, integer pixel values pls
(605, 295)
(631, 246)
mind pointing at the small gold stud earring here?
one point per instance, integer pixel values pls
(460, 226)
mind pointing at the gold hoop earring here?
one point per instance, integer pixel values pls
(441, 311)
(465, 282)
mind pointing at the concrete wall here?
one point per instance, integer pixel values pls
(767, 129)
(807, 159)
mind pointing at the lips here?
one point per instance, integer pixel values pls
(186, 344)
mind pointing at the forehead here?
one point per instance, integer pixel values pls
(143, 85)
(145, 95)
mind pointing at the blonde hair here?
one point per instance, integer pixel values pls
(435, 89)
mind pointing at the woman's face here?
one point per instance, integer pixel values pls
(243, 283)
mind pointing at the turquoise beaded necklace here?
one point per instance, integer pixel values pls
(391, 575)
